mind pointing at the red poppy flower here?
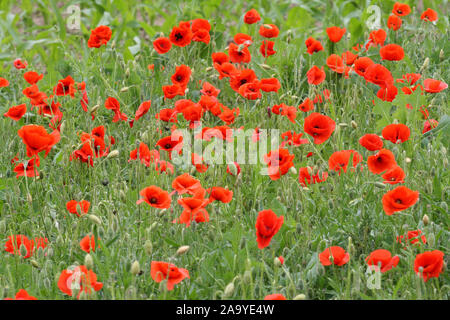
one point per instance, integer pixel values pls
(185, 183)
(399, 199)
(220, 194)
(362, 64)
(267, 225)
(376, 37)
(19, 64)
(383, 160)
(181, 35)
(396, 133)
(234, 172)
(335, 33)
(22, 295)
(242, 38)
(37, 139)
(29, 170)
(269, 31)
(78, 208)
(156, 197)
(239, 54)
(371, 142)
(32, 77)
(80, 279)
(229, 115)
(3, 82)
(292, 139)
(434, 86)
(382, 260)
(15, 242)
(226, 70)
(429, 15)
(65, 87)
(335, 63)
(401, 9)
(394, 175)
(349, 58)
(141, 111)
(162, 270)
(279, 162)
(394, 22)
(162, 45)
(387, 93)
(252, 16)
(414, 237)
(313, 45)
(181, 76)
(198, 163)
(99, 36)
(112, 104)
(172, 91)
(392, 52)
(429, 124)
(306, 105)
(306, 176)
(315, 75)
(266, 48)
(275, 296)
(269, 85)
(87, 244)
(319, 126)
(429, 264)
(250, 90)
(209, 90)
(339, 160)
(16, 112)
(219, 58)
(379, 75)
(337, 254)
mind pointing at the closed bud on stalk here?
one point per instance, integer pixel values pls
(209, 69)
(300, 296)
(265, 66)
(88, 262)
(94, 108)
(293, 170)
(113, 154)
(229, 290)
(247, 278)
(354, 124)
(408, 160)
(425, 220)
(441, 55)
(182, 250)
(291, 290)
(233, 169)
(2, 226)
(277, 262)
(444, 206)
(29, 198)
(124, 89)
(135, 268)
(380, 185)
(148, 247)
(95, 219)
(63, 125)
(23, 250)
(343, 124)
(34, 263)
(127, 72)
(425, 64)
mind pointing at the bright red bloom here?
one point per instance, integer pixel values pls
(29, 170)
(362, 64)
(434, 86)
(387, 93)
(401, 9)
(37, 139)
(275, 296)
(292, 139)
(307, 177)
(220, 194)
(382, 260)
(3, 82)
(414, 237)
(269, 31)
(396, 133)
(250, 90)
(335, 63)
(78, 208)
(371, 142)
(239, 54)
(181, 76)
(269, 85)
(429, 124)
(337, 254)
(306, 105)
(162, 45)
(78, 278)
(267, 225)
(279, 162)
(379, 75)
(383, 160)
(209, 90)
(65, 87)
(156, 197)
(185, 183)
(242, 38)
(315, 75)
(429, 264)
(349, 57)
(87, 244)
(181, 35)
(16, 112)
(16, 241)
(22, 295)
(313, 45)
(392, 52)
(19, 64)
(32, 77)
(99, 36)
(171, 91)
(319, 126)
(233, 172)
(394, 22)
(399, 199)
(141, 111)
(335, 33)
(266, 48)
(252, 16)
(339, 160)
(376, 37)
(394, 175)
(163, 270)
(429, 15)
(112, 104)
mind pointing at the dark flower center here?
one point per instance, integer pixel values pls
(153, 200)
(178, 36)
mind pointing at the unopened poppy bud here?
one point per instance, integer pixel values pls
(300, 296)
(291, 290)
(267, 26)
(265, 66)
(113, 44)
(95, 219)
(354, 124)
(94, 109)
(135, 268)
(425, 220)
(124, 89)
(148, 247)
(380, 185)
(294, 97)
(229, 290)
(88, 262)
(63, 125)
(425, 64)
(444, 206)
(29, 197)
(242, 243)
(441, 55)
(23, 250)
(182, 250)
(209, 69)
(113, 154)
(330, 204)
(408, 160)
(247, 278)
(293, 170)
(277, 262)
(127, 72)
(298, 228)
(233, 169)
(2, 226)
(34, 263)
(343, 124)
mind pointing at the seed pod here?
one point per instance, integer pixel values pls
(425, 220)
(354, 124)
(229, 290)
(247, 278)
(135, 268)
(182, 250)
